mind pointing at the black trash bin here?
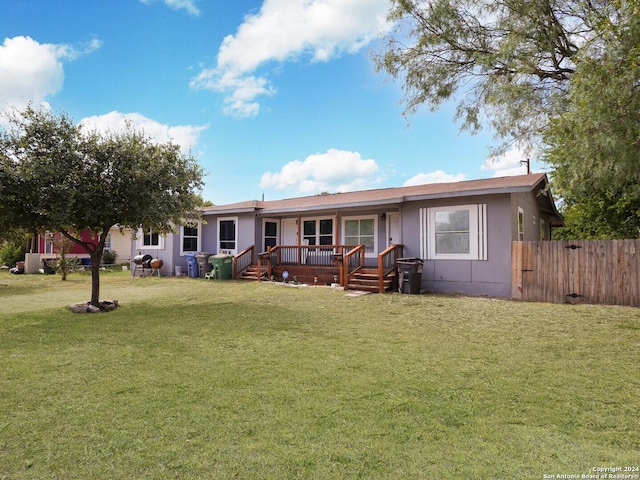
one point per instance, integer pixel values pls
(410, 275)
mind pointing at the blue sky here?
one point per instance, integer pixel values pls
(273, 97)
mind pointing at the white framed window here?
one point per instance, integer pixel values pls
(361, 231)
(317, 231)
(107, 243)
(520, 224)
(454, 233)
(150, 240)
(48, 242)
(228, 235)
(190, 238)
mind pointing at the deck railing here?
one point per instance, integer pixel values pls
(387, 263)
(243, 260)
(311, 255)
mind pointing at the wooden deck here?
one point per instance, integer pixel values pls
(321, 265)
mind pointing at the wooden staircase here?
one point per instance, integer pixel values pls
(252, 272)
(367, 280)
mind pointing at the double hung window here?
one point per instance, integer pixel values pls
(189, 238)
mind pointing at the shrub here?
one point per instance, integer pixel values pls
(11, 252)
(109, 257)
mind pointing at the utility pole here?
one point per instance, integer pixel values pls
(528, 162)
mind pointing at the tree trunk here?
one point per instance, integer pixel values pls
(96, 258)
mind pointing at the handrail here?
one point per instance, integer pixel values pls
(243, 260)
(265, 257)
(387, 263)
(352, 262)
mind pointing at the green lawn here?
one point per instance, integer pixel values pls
(194, 379)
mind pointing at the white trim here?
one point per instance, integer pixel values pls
(424, 233)
(477, 233)
(140, 241)
(198, 226)
(519, 223)
(230, 251)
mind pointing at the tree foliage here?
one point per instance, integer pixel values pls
(560, 75)
(594, 145)
(57, 176)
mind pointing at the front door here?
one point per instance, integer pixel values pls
(289, 231)
(393, 229)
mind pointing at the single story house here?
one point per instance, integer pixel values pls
(43, 247)
(461, 231)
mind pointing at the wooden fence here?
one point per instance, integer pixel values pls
(585, 271)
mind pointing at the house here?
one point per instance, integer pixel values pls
(43, 247)
(461, 231)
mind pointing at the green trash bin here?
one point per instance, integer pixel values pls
(222, 266)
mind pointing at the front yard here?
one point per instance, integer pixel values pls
(196, 379)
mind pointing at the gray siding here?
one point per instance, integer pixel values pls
(474, 277)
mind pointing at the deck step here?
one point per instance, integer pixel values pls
(250, 273)
(368, 280)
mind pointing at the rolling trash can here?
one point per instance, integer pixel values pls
(192, 265)
(204, 266)
(410, 275)
(222, 266)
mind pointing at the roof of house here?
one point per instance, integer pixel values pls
(387, 196)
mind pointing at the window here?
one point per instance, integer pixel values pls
(359, 231)
(543, 230)
(147, 239)
(227, 234)
(48, 242)
(150, 239)
(318, 231)
(107, 243)
(520, 224)
(270, 234)
(189, 238)
(454, 233)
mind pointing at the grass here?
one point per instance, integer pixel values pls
(195, 379)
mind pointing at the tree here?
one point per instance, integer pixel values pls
(594, 145)
(63, 245)
(57, 176)
(558, 75)
(505, 59)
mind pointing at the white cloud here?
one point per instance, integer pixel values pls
(509, 163)
(283, 31)
(333, 171)
(188, 5)
(32, 71)
(184, 135)
(439, 176)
